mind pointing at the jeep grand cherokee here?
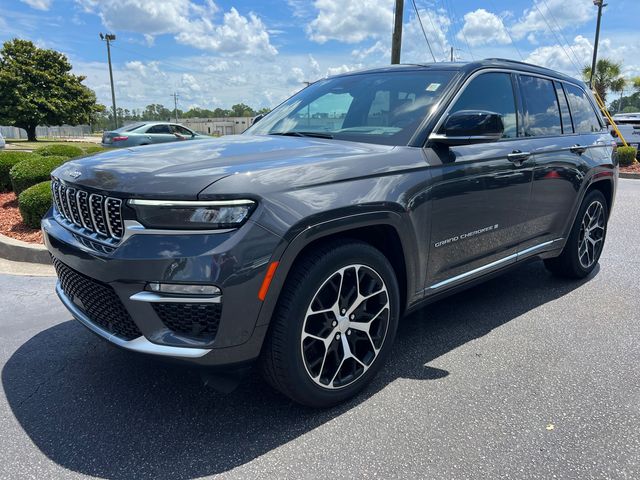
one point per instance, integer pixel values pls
(301, 243)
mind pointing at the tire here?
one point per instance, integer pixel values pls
(580, 255)
(305, 355)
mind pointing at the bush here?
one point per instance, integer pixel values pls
(93, 149)
(33, 170)
(626, 156)
(7, 161)
(68, 151)
(34, 202)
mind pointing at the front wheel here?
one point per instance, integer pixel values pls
(334, 325)
(586, 239)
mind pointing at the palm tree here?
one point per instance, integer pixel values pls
(607, 77)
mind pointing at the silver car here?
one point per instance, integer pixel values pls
(146, 133)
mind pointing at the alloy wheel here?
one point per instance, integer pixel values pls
(345, 326)
(591, 237)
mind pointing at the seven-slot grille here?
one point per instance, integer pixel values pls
(97, 213)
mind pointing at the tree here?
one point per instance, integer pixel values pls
(606, 77)
(37, 88)
(242, 110)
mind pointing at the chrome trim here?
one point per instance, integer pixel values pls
(515, 257)
(189, 203)
(140, 344)
(88, 227)
(93, 216)
(108, 217)
(152, 297)
(132, 227)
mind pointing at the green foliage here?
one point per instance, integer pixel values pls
(606, 77)
(630, 103)
(7, 160)
(93, 149)
(62, 150)
(38, 88)
(34, 202)
(626, 156)
(33, 170)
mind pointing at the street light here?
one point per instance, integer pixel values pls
(600, 5)
(109, 37)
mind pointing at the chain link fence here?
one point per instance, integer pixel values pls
(62, 132)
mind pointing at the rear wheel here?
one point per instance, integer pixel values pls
(586, 240)
(334, 324)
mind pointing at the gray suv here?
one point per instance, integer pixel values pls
(300, 244)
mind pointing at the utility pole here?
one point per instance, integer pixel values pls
(452, 54)
(175, 105)
(600, 5)
(109, 37)
(396, 39)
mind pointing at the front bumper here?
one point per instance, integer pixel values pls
(235, 261)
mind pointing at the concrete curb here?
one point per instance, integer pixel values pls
(18, 251)
(630, 175)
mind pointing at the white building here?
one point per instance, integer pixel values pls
(218, 126)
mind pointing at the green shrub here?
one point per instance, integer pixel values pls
(68, 151)
(7, 161)
(33, 170)
(93, 149)
(626, 156)
(34, 202)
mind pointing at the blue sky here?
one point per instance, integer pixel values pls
(217, 53)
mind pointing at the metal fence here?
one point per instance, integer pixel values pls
(62, 131)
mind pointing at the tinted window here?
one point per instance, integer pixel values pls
(492, 92)
(159, 129)
(181, 130)
(567, 127)
(384, 108)
(541, 112)
(584, 116)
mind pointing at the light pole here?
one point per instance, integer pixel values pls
(109, 37)
(396, 38)
(600, 5)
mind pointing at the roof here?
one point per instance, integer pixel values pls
(469, 67)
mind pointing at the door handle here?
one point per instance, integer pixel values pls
(518, 156)
(578, 149)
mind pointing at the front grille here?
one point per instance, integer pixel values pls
(97, 301)
(98, 214)
(197, 320)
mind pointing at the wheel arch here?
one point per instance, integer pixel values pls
(384, 230)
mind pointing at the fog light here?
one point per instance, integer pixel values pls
(181, 289)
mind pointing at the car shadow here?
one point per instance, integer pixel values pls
(100, 411)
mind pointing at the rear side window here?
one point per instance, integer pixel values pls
(492, 92)
(584, 116)
(567, 127)
(159, 129)
(541, 111)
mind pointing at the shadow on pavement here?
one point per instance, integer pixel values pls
(104, 412)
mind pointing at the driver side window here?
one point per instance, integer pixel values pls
(492, 92)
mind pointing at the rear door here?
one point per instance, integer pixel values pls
(480, 193)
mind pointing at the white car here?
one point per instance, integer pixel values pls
(1, 142)
(629, 126)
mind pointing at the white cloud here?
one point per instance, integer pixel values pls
(555, 13)
(38, 4)
(190, 23)
(190, 83)
(350, 21)
(482, 28)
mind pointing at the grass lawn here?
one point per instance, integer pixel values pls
(23, 144)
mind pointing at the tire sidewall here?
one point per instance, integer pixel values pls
(356, 253)
(574, 237)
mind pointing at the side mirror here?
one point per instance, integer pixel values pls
(470, 126)
(257, 118)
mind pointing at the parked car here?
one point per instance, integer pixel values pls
(148, 133)
(300, 244)
(2, 142)
(629, 126)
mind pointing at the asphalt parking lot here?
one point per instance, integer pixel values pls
(526, 376)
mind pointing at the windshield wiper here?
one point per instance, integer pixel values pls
(296, 133)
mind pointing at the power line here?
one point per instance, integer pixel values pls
(575, 56)
(464, 37)
(423, 31)
(557, 38)
(513, 43)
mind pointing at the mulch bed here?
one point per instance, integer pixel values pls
(11, 222)
(635, 168)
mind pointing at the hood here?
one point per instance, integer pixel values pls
(183, 169)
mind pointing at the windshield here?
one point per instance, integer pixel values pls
(384, 108)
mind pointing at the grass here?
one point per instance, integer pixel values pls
(24, 144)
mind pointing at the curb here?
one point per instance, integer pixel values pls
(19, 251)
(630, 175)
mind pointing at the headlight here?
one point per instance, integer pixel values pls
(201, 215)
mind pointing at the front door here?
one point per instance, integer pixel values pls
(481, 192)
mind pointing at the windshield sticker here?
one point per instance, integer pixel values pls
(433, 87)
